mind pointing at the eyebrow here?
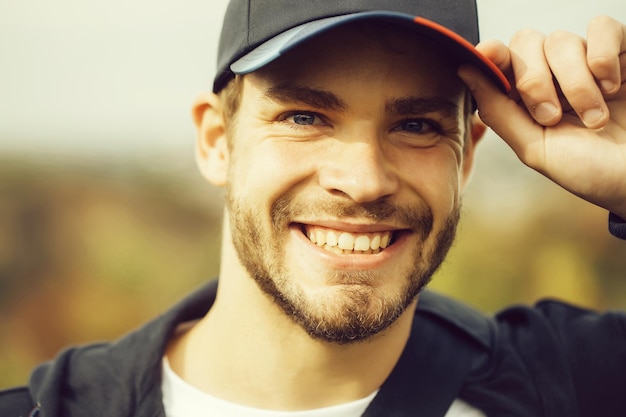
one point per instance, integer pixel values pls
(420, 105)
(290, 93)
(321, 99)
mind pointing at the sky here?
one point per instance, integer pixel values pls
(118, 77)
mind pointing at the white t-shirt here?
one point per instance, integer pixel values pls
(181, 399)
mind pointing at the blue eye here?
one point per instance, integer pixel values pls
(416, 126)
(303, 118)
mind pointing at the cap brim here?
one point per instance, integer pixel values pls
(460, 49)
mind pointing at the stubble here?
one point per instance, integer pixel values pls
(356, 311)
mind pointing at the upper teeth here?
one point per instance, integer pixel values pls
(341, 242)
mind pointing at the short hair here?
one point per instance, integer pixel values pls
(230, 98)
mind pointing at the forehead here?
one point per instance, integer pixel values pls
(367, 55)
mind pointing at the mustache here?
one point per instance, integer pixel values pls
(417, 218)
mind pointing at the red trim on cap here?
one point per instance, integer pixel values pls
(467, 45)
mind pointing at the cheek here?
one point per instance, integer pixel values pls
(269, 170)
(436, 176)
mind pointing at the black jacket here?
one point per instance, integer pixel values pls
(549, 360)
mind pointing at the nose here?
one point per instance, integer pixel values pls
(359, 170)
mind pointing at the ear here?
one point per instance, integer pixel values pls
(477, 131)
(212, 145)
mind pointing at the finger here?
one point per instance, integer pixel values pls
(622, 65)
(566, 53)
(504, 116)
(533, 77)
(496, 52)
(606, 40)
(500, 55)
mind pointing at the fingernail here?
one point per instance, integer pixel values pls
(545, 112)
(591, 116)
(607, 85)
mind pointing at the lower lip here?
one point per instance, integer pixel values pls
(353, 261)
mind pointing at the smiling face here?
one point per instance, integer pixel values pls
(345, 165)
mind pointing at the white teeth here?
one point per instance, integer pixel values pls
(335, 249)
(320, 238)
(331, 238)
(375, 243)
(345, 242)
(362, 243)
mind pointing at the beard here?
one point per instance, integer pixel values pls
(353, 310)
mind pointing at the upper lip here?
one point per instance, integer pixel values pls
(352, 227)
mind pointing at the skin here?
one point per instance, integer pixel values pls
(585, 156)
(359, 176)
(288, 368)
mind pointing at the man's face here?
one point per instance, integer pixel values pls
(345, 169)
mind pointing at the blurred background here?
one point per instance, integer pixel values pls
(105, 222)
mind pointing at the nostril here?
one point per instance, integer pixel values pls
(359, 170)
(359, 189)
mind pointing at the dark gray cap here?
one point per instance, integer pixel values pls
(256, 32)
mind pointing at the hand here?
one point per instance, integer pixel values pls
(566, 114)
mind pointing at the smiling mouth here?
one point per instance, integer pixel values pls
(346, 243)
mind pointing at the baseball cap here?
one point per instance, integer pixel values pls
(256, 32)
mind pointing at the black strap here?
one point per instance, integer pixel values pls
(429, 374)
(617, 226)
(16, 402)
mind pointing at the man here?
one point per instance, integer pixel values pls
(344, 135)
